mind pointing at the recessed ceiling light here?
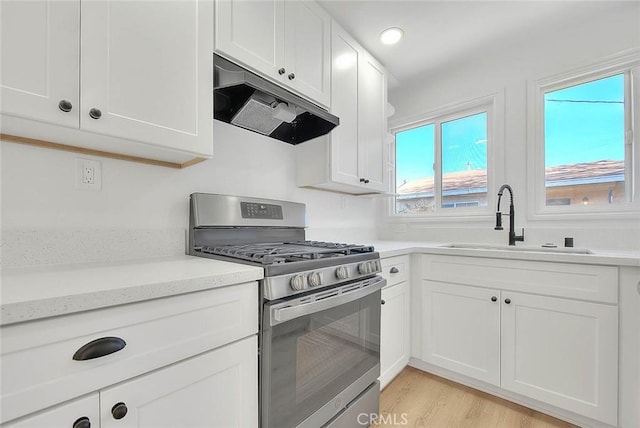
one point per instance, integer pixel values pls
(391, 36)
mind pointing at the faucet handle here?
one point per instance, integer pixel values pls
(521, 237)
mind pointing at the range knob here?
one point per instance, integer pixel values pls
(314, 279)
(342, 272)
(364, 268)
(297, 282)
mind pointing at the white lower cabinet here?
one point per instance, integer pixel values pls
(461, 327)
(189, 360)
(561, 352)
(394, 331)
(395, 322)
(556, 350)
(79, 413)
(218, 388)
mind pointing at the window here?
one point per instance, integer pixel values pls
(583, 140)
(443, 164)
(584, 143)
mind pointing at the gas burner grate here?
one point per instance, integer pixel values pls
(287, 252)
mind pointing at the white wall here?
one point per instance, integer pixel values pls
(143, 209)
(594, 31)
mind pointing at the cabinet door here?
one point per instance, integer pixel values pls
(147, 66)
(395, 331)
(344, 104)
(39, 68)
(461, 329)
(372, 122)
(65, 415)
(307, 50)
(252, 32)
(562, 352)
(216, 389)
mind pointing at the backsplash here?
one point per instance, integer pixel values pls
(29, 247)
(143, 210)
(622, 238)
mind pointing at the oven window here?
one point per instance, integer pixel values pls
(309, 360)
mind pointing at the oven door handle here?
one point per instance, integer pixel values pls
(280, 315)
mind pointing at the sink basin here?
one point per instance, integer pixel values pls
(517, 248)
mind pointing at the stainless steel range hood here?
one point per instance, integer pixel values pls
(246, 100)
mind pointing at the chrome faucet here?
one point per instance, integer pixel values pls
(512, 214)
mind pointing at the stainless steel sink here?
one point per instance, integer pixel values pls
(518, 248)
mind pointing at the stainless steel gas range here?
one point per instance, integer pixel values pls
(319, 339)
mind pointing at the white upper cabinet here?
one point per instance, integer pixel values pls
(308, 50)
(351, 158)
(111, 73)
(344, 78)
(286, 41)
(252, 32)
(372, 122)
(146, 67)
(40, 42)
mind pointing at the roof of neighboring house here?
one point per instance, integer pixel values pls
(460, 181)
(602, 168)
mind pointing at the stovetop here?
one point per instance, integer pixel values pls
(271, 234)
(287, 252)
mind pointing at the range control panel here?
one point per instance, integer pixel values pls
(262, 211)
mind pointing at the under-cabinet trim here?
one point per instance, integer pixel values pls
(93, 152)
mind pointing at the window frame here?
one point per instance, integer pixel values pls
(627, 63)
(493, 106)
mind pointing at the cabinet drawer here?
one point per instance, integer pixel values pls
(391, 265)
(578, 281)
(37, 365)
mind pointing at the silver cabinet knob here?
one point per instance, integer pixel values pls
(291, 76)
(281, 71)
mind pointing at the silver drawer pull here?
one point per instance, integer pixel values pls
(394, 270)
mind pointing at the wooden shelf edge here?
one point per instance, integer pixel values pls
(93, 152)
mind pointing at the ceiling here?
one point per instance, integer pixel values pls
(438, 33)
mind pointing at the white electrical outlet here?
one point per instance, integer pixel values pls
(88, 174)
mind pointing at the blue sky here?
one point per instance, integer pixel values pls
(584, 131)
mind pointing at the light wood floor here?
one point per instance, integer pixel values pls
(430, 401)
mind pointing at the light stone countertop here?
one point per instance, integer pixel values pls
(599, 257)
(31, 293)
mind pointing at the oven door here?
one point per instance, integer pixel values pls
(319, 352)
